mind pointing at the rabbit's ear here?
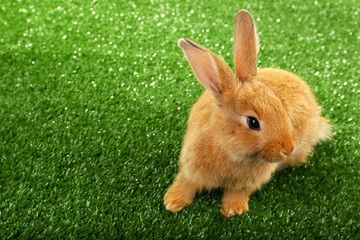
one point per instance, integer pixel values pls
(245, 46)
(211, 71)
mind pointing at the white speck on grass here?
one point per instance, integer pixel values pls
(64, 37)
(23, 10)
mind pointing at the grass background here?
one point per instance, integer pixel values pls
(94, 98)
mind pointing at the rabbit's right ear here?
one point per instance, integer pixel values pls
(211, 71)
(246, 46)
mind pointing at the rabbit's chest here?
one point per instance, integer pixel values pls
(233, 175)
(251, 175)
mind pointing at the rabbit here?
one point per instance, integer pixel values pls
(245, 126)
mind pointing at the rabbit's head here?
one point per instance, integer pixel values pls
(251, 117)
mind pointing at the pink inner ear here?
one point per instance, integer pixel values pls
(215, 83)
(203, 67)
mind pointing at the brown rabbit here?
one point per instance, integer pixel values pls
(245, 126)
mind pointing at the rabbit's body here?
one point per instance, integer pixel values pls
(245, 127)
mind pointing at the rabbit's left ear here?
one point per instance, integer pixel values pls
(246, 46)
(211, 71)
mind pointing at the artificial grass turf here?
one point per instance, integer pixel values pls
(94, 98)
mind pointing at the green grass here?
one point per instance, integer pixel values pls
(94, 99)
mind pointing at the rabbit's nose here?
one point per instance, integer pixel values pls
(288, 147)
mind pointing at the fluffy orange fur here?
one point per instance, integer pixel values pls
(219, 149)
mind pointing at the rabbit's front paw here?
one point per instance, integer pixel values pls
(174, 203)
(180, 194)
(235, 202)
(234, 209)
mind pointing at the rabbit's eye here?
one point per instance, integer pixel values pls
(253, 123)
